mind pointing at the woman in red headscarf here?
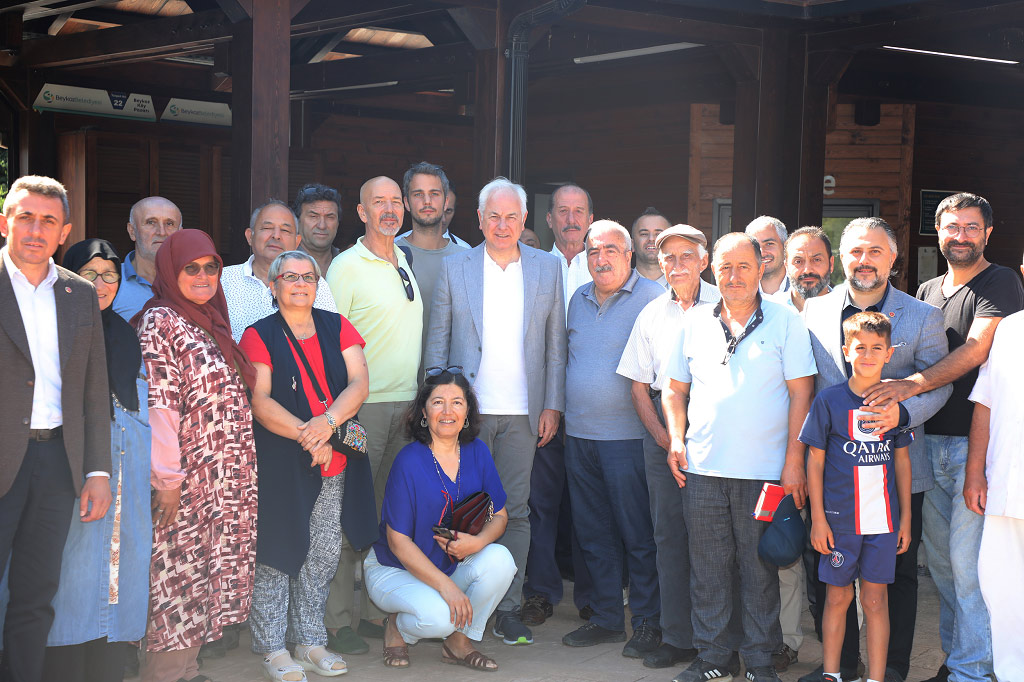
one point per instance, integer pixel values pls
(204, 463)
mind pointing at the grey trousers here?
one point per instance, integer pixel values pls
(672, 542)
(385, 436)
(512, 444)
(293, 608)
(723, 542)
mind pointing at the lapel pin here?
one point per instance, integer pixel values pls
(67, 289)
(892, 314)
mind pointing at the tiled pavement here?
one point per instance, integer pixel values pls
(548, 660)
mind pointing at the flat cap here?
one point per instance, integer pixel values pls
(684, 231)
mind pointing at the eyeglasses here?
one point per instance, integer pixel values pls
(308, 277)
(437, 371)
(968, 230)
(109, 277)
(410, 293)
(211, 268)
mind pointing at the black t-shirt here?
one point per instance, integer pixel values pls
(994, 292)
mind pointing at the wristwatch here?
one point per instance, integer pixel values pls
(331, 421)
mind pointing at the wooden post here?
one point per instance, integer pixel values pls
(260, 115)
(489, 106)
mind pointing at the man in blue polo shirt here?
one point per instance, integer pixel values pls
(604, 447)
(150, 222)
(739, 387)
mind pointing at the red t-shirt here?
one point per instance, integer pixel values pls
(254, 348)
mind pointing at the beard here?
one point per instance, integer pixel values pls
(869, 285)
(811, 291)
(422, 221)
(962, 258)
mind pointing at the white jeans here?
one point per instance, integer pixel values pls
(999, 572)
(422, 612)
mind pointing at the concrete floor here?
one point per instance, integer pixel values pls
(548, 660)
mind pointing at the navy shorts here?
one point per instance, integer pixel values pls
(868, 557)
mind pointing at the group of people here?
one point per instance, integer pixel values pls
(302, 417)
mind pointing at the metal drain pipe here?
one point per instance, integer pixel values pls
(518, 55)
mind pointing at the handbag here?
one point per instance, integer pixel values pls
(348, 438)
(470, 515)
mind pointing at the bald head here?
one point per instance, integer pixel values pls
(151, 221)
(381, 207)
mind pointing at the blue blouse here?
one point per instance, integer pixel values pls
(82, 608)
(414, 501)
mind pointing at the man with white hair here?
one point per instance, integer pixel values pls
(771, 235)
(150, 222)
(497, 314)
(604, 450)
(682, 256)
(273, 229)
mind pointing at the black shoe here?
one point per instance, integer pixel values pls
(783, 658)
(346, 641)
(214, 649)
(587, 612)
(762, 673)
(666, 656)
(847, 674)
(645, 640)
(892, 676)
(369, 629)
(230, 636)
(592, 634)
(536, 609)
(509, 626)
(941, 676)
(703, 671)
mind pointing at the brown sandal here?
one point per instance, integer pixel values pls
(395, 656)
(474, 659)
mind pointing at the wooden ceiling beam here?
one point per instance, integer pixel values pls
(410, 65)
(690, 30)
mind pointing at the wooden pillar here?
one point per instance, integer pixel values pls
(37, 150)
(260, 120)
(490, 125)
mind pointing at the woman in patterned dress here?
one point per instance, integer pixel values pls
(204, 507)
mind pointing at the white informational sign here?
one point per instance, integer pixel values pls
(927, 263)
(96, 102)
(195, 111)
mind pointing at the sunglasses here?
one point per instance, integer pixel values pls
(308, 278)
(410, 293)
(437, 371)
(211, 268)
(109, 277)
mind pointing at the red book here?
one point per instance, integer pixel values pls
(768, 502)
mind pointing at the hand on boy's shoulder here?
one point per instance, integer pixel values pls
(890, 390)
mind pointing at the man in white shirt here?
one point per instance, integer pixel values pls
(272, 231)
(498, 314)
(569, 217)
(993, 480)
(54, 413)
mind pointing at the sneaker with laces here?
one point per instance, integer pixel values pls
(704, 671)
(592, 634)
(783, 658)
(645, 639)
(536, 609)
(762, 673)
(829, 678)
(509, 626)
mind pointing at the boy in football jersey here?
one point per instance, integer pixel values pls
(859, 490)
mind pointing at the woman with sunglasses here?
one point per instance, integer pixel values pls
(204, 464)
(431, 585)
(308, 492)
(104, 582)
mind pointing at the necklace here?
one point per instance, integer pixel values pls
(458, 475)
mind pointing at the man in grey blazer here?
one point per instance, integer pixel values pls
(868, 250)
(54, 414)
(498, 314)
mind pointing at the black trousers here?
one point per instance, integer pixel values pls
(902, 605)
(35, 516)
(95, 661)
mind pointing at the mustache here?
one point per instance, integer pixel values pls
(571, 227)
(389, 216)
(603, 268)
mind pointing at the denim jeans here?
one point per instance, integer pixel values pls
(612, 516)
(952, 536)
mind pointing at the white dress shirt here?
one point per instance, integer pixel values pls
(998, 388)
(250, 300)
(574, 274)
(501, 379)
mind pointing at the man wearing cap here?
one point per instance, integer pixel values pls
(682, 255)
(736, 391)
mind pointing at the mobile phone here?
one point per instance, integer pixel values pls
(444, 532)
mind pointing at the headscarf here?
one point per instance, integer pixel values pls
(124, 356)
(177, 251)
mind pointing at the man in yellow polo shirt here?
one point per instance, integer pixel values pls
(375, 289)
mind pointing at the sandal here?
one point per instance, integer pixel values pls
(289, 672)
(395, 656)
(474, 659)
(323, 667)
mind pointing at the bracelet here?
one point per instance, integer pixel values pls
(331, 421)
